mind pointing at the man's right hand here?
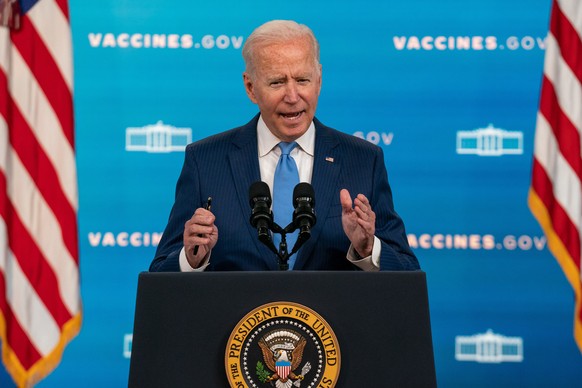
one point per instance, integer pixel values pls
(199, 231)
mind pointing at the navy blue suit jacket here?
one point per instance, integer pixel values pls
(225, 165)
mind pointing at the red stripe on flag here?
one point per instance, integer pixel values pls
(561, 223)
(568, 40)
(566, 134)
(5, 97)
(45, 70)
(64, 7)
(32, 262)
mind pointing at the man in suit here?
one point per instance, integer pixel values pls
(283, 77)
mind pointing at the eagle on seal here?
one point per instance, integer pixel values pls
(279, 363)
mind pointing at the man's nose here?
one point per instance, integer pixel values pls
(291, 93)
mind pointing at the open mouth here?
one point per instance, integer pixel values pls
(293, 115)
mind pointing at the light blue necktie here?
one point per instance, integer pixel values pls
(286, 178)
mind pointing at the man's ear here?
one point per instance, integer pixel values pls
(249, 87)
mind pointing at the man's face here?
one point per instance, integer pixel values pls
(285, 86)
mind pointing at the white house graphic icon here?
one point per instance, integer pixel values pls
(157, 138)
(490, 141)
(489, 348)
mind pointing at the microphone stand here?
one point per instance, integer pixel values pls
(283, 254)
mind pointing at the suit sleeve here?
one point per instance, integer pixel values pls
(396, 254)
(187, 199)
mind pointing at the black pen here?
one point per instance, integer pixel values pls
(207, 207)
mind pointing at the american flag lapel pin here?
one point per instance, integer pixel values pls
(329, 159)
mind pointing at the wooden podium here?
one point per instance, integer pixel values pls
(183, 322)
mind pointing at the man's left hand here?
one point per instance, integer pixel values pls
(359, 222)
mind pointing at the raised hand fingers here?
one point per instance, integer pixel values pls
(346, 200)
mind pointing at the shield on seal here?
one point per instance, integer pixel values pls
(283, 368)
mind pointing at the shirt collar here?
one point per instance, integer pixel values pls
(267, 141)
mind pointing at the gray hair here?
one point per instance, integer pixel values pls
(277, 31)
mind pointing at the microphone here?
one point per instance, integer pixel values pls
(261, 215)
(304, 215)
(260, 201)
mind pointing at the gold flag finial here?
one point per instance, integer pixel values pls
(10, 14)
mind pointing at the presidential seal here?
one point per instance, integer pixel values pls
(283, 345)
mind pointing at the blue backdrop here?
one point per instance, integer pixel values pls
(448, 89)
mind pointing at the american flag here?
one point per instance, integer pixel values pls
(556, 190)
(40, 305)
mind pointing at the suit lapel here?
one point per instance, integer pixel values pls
(244, 164)
(326, 170)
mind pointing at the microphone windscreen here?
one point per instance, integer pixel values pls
(303, 189)
(259, 189)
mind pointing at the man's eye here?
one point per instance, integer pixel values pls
(276, 83)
